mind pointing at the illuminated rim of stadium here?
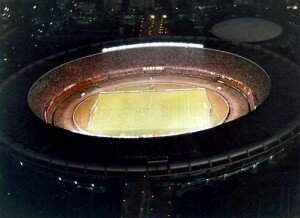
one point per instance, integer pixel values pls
(151, 45)
(137, 46)
(171, 44)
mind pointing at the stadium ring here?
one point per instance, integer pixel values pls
(242, 83)
(231, 147)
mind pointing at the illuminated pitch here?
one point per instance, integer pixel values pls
(146, 113)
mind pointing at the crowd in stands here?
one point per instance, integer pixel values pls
(112, 65)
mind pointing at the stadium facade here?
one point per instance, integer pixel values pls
(215, 153)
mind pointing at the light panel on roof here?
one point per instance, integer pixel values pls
(151, 45)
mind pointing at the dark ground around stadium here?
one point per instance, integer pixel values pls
(269, 189)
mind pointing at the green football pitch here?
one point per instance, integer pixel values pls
(149, 112)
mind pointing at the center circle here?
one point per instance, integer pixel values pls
(150, 110)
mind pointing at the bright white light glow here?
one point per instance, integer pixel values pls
(153, 44)
(153, 68)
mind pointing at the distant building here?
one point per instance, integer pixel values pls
(142, 4)
(118, 4)
(175, 3)
(112, 4)
(261, 2)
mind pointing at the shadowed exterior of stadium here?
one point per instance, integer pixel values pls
(229, 148)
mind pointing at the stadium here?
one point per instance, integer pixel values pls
(169, 96)
(161, 108)
(250, 30)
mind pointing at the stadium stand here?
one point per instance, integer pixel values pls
(230, 147)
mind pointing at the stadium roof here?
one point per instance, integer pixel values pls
(247, 30)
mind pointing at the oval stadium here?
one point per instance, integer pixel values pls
(249, 30)
(161, 108)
